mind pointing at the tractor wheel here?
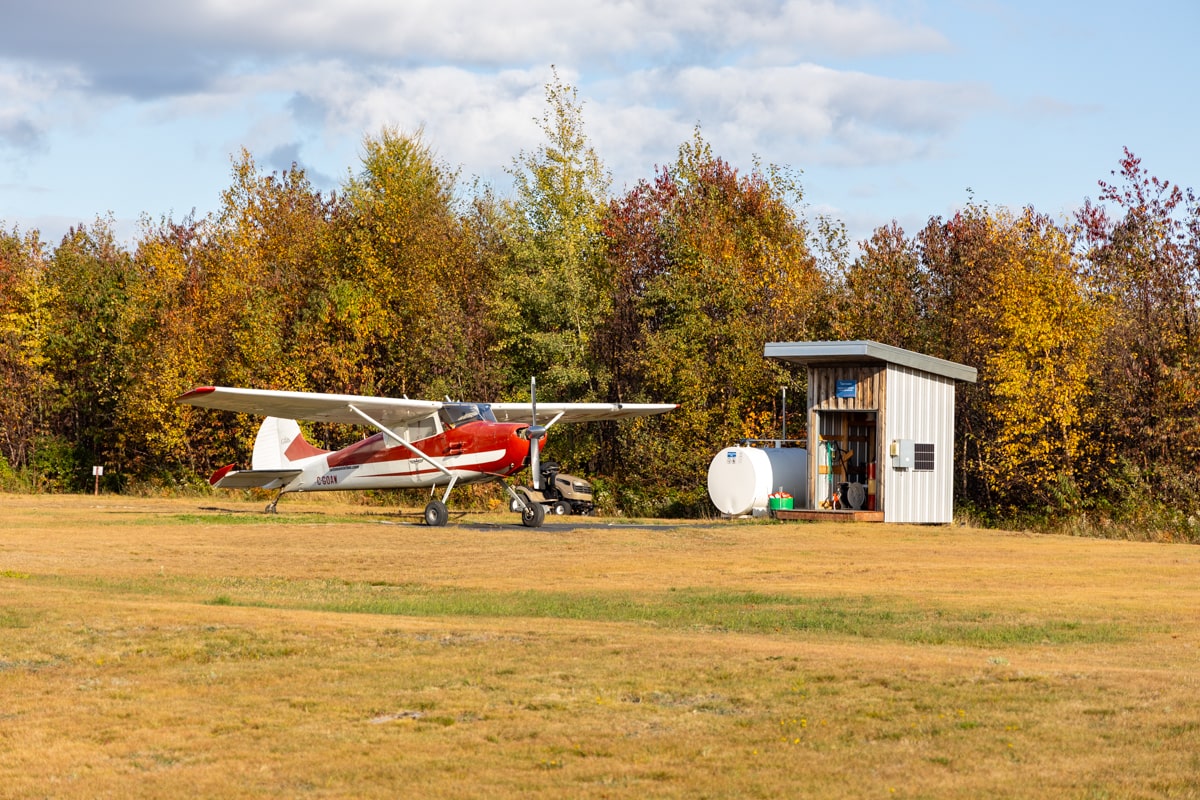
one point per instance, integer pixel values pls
(561, 509)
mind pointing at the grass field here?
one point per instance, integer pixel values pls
(169, 648)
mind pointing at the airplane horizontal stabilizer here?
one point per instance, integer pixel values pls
(254, 478)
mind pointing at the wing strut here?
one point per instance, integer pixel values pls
(391, 433)
(413, 449)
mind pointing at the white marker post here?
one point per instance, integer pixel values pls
(96, 473)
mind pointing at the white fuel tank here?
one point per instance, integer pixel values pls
(741, 478)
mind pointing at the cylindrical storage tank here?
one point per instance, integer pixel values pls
(741, 478)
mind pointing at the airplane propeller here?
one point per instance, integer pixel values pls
(533, 511)
(535, 434)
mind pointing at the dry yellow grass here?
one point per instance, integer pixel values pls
(162, 648)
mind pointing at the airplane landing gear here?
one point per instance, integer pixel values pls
(534, 515)
(436, 514)
(273, 506)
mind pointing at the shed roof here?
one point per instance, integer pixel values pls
(808, 353)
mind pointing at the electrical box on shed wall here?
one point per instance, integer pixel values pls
(903, 454)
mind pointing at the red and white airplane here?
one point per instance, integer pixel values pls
(418, 444)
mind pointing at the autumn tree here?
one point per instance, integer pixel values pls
(1143, 271)
(406, 279)
(1035, 333)
(886, 290)
(260, 261)
(1001, 293)
(485, 220)
(160, 441)
(222, 301)
(25, 380)
(709, 264)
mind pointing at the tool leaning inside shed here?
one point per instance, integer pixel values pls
(836, 458)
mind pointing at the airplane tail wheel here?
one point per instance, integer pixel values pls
(533, 516)
(436, 514)
(561, 509)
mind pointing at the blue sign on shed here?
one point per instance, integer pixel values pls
(847, 388)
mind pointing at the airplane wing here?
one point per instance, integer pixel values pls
(309, 405)
(392, 411)
(578, 412)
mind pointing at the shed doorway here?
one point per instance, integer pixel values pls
(847, 460)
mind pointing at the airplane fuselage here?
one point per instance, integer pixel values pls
(476, 451)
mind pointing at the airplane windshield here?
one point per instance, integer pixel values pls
(455, 414)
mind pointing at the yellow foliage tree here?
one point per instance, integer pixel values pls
(1035, 332)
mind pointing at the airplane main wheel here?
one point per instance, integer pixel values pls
(561, 508)
(436, 514)
(533, 516)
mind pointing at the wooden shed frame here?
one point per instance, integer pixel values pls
(882, 417)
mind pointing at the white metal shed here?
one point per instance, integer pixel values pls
(880, 430)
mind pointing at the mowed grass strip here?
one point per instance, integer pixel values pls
(687, 608)
(693, 608)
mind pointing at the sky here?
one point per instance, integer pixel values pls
(887, 109)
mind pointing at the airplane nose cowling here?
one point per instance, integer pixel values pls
(517, 450)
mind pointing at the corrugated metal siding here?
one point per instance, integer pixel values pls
(920, 406)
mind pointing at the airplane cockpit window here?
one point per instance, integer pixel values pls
(455, 414)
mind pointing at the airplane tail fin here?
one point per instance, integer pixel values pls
(280, 444)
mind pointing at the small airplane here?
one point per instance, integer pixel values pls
(418, 444)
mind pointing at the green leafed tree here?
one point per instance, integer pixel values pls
(84, 348)
(554, 289)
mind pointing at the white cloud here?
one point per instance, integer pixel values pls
(468, 117)
(826, 116)
(524, 32)
(802, 114)
(147, 48)
(803, 28)
(28, 97)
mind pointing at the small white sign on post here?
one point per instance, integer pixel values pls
(96, 473)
